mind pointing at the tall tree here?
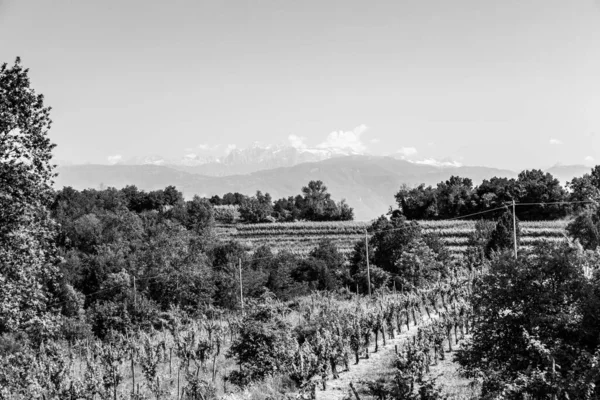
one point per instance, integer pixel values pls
(316, 200)
(454, 197)
(27, 254)
(535, 186)
(503, 235)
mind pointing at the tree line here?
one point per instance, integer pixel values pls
(458, 196)
(314, 204)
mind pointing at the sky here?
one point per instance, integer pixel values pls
(510, 84)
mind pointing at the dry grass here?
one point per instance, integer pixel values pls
(453, 385)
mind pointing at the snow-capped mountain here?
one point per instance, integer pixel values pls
(153, 159)
(243, 161)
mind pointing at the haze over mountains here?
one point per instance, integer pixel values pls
(257, 158)
(368, 183)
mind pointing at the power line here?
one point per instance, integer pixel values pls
(555, 202)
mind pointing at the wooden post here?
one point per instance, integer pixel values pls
(178, 384)
(354, 391)
(368, 267)
(132, 373)
(514, 227)
(157, 388)
(241, 287)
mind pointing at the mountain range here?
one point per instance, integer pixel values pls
(368, 183)
(242, 161)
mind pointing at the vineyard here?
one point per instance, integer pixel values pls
(318, 337)
(301, 237)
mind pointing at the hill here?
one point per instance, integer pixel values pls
(565, 173)
(301, 237)
(368, 183)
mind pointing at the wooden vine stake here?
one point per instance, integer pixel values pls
(241, 287)
(368, 267)
(132, 373)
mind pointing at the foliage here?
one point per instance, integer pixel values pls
(586, 227)
(503, 235)
(390, 238)
(28, 272)
(256, 209)
(585, 188)
(379, 279)
(265, 345)
(417, 266)
(458, 197)
(536, 331)
(227, 214)
(417, 203)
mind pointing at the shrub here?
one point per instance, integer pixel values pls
(265, 345)
(586, 228)
(227, 214)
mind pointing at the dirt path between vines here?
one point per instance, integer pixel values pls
(377, 366)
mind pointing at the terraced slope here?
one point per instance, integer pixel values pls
(301, 237)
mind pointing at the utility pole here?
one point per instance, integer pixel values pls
(241, 287)
(514, 228)
(368, 268)
(134, 294)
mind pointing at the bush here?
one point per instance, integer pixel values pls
(379, 279)
(502, 237)
(227, 214)
(537, 333)
(265, 345)
(586, 228)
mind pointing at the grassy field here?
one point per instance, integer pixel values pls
(301, 237)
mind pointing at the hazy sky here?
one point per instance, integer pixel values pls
(510, 84)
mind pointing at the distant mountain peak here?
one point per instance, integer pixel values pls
(256, 157)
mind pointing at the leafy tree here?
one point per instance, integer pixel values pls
(502, 237)
(316, 273)
(28, 271)
(316, 198)
(358, 257)
(225, 260)
(476, 253)
(533, 186)
(586, 227)
(327, 251)
(379, 278)
(345, 212)
(265, 345)
(280, 281)
(455, 197)
(418, 266)
(226, 214)
(286, 209)
(495, 193)
(200, 215)
(317, 204)
(585, 189)
(390, 238)
(436, 243)
(216, 200)
(417, 203)
(233, 199)
(536, 331)
(181, 274)
(257, 209)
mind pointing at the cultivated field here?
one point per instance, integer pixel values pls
(301, 237)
